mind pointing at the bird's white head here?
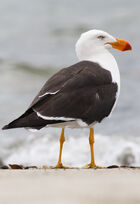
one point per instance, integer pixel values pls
(96, 42)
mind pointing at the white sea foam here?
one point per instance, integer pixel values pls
(44, 148)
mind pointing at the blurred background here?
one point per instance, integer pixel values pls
(37, 38)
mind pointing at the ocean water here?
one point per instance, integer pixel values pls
(37, 38)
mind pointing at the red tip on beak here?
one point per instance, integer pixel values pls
(121, 45)
(127, 47)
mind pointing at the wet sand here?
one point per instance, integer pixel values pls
(72, 186)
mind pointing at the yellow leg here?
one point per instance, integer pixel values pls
(62, 140)
(91, 142)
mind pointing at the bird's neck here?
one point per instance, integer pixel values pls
(107, 61)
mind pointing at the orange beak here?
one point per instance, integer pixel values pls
(121, 45)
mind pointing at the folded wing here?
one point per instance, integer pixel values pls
(83, 91)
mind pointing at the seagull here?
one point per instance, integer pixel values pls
(81, 95)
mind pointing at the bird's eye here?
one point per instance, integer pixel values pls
(101, 37)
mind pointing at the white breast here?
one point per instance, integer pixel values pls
(108, 62)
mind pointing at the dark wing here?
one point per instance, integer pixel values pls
(89, 95)
(83, 91)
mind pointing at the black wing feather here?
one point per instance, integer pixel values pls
(85, 91)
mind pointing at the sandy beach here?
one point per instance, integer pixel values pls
(76, 186)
